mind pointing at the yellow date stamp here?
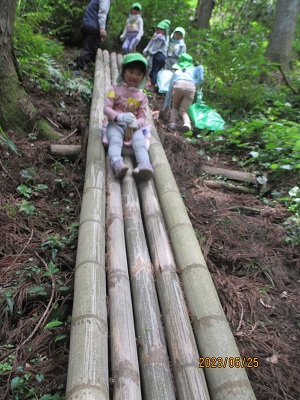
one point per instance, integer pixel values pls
(231, 362)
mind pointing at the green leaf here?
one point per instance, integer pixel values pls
(60, 337)
(10, 304)
(39, 290)
(64, 288)
(53, 324)
(39, 377)
(27, 207)
(15, 382)
(26, 191)
(295, 192)
(41, 187)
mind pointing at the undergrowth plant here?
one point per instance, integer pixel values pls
(39, 56)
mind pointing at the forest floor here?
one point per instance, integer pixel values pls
(243, 238)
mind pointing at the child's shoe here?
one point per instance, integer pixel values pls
(120, 169)
(143, 172)
(172, 126)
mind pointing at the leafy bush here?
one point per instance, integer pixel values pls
(232, 78)
(30, 42)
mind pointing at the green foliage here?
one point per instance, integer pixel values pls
(232, 78)
(237, 14)
(29, 41)
(56, 242)
(26, 206)
(4, 141)
(38, 53)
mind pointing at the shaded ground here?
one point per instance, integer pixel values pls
(243, 240)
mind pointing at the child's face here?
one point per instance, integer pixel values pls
(133, 76)
(135, 11)
(178, 35)
(160, 31)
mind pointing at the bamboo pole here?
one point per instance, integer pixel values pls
(124, 359)
(212, 332)
(107, 74)
(119, 61)
(153, 358)
(189, 379)
(88, 360)
(114, 67)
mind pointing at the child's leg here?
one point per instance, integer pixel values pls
(132, 44)
(126, 44)
(139, 147)
(176, 101)
(188, 98)
(144, 170)
(158, 63)
(115, 135)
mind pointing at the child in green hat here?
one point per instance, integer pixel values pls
(133, 30)
(125, 107)
(176, 47)
(157, 51)
(183, 85)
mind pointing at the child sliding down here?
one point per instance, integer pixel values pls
(124, 96)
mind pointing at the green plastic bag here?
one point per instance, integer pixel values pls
(203, 116)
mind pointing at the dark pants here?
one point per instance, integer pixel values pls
(91, 42)
(158, 63)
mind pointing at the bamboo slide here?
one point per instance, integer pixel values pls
(157, 296)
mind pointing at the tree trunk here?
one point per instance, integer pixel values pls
(17, 113)
(282, 35)
(203, 13)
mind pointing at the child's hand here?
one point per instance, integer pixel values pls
(134, 124)
(126, 117)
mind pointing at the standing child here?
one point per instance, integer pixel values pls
(133, 30)
(124, 96)
(157, 51)
(176, 47)
(183, 85)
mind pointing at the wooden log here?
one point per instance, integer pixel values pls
(153, 357)
(212, 332)
(65, 150)
(227, 187)
(88, 360)
(189, 379)
(124, 359)
(230, 174)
